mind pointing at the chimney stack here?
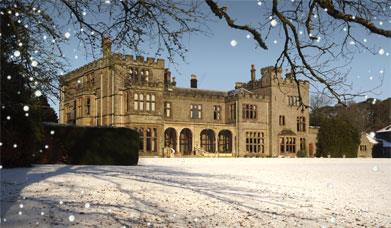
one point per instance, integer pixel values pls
(193, 81)
(252, 72)
(106, 46)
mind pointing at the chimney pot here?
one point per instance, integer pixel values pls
(253, 72)
(193, 81)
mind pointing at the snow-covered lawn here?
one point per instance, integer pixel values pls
(201, 192)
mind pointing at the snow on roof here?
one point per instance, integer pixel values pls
(371, 139)
(386, 129)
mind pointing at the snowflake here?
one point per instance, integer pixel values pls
(352, 42)
(273, 23)
(21, 205)
(20, 213)
(52, 132)
(67, 35)
(38, 93)
(9, 77)
(381, 71)
(34, 63)
(84, 13)
(233, 43)
(381, 51)
(375, 168)
(8, 117)
(17, 53)
(15, 145)
(26, 108)
(365, 40)
(370, 78)
(275, 41)
(87, 205)
(71, 218)
(248, 36)
(259, 3)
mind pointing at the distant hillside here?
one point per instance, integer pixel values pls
(370, 115)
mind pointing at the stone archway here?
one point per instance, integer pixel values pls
(186, 141)
(170, 138)
(208, 140)
(225, 141)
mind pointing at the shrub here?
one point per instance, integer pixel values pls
(81, 145)
(301, 154)
(337, 137)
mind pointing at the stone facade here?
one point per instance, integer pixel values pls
(365, 148)
(259, 118)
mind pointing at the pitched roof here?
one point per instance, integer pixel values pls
(386, 129)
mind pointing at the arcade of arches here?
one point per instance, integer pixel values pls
(209, 141)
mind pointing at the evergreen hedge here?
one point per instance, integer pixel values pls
(337, 137)
(82, 145)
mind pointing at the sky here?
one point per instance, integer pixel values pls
(219, 65)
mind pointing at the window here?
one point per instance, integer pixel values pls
(293, 100)
(302, 144)
(217, 112)
(88, 106)
(287, 144)
(249, 111)
(255, 142)
(282, 144)
(282, 120)
(151, 140)
(300, 123)
(147, 102)
(196, 111)
(153, 104)
(167, 109)
(141, 102)
(232, 111)
(149, 105)
(135, 105)
(79, 106)
(363, 148)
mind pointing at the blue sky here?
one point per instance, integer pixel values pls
(218, 65)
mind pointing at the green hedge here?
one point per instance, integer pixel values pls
(80, 145)
(301, 154)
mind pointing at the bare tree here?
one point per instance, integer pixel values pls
(312, 48)
(131, 24)
(319, 100)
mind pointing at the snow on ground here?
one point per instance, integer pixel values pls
(201, 192)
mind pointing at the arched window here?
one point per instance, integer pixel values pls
(185, 141)
(225, 141)
(208, 140)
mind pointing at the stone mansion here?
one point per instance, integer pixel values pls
(257, 118)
